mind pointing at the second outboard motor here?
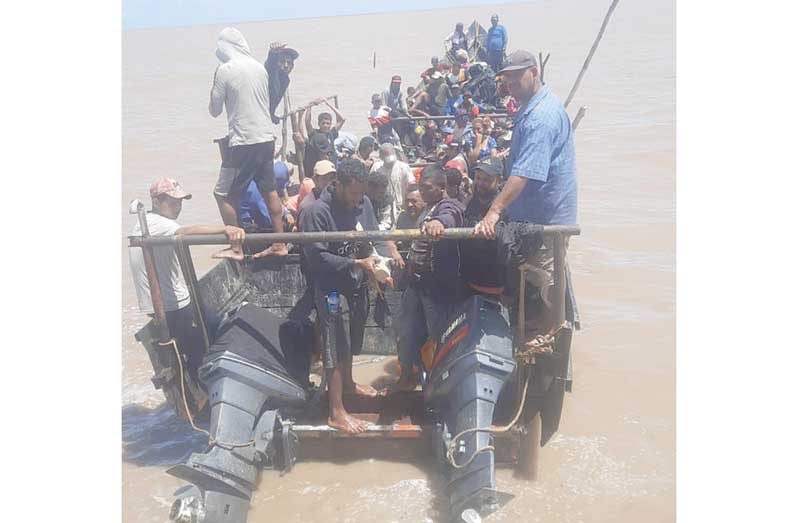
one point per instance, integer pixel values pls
(471, 363)
(248, 378)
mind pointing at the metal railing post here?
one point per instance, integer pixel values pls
(159, 311)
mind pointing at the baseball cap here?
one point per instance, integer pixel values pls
(323, 167)
(321, 143)
(459, 164)
(518, 60)
(492, 166)
(168, 187)
(281, 174)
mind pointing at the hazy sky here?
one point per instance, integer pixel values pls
(166, 13)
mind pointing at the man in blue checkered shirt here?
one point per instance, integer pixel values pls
(542, 186)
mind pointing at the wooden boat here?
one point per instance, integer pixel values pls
(480, 368)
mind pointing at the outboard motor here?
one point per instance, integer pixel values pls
(248, 378)
(466, 373)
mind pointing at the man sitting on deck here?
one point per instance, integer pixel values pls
(341, 271)
(167, 202)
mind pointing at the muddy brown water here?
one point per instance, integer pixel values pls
(614, 456)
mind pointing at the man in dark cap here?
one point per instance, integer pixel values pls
(479, 266)
(541, 186)
(279, 65)
(318, 148)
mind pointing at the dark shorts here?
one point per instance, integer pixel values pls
(253, 162)
(342, 333)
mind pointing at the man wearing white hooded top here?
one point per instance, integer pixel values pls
(240, 85)
(400, 177)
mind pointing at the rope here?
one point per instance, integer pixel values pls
(540, 344)
(451, 447)
(211, 440)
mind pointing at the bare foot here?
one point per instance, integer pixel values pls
(407, 382)
(229, 253)
(275, 249)
(345, 422)
(362, 390)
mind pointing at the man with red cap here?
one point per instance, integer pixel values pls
(393, 96)
(167, 201)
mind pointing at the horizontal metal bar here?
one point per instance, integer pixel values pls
(460, 233)
(392, 431)
(445, 117)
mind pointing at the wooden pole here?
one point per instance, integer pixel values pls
(299, 148)
(542, 62)
(305, 107)
(578, 117)
(592, 51)
(300, 151)
(286, 109)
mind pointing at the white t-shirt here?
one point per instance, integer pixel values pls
(400, 176)
(174, 292)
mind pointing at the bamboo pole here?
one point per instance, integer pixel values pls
(592, 51)
(578, 117)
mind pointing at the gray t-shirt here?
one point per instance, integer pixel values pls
(241, 86)
(174, 292)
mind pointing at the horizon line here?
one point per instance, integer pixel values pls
(481, 3)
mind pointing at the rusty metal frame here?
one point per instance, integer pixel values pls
(458, 233)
